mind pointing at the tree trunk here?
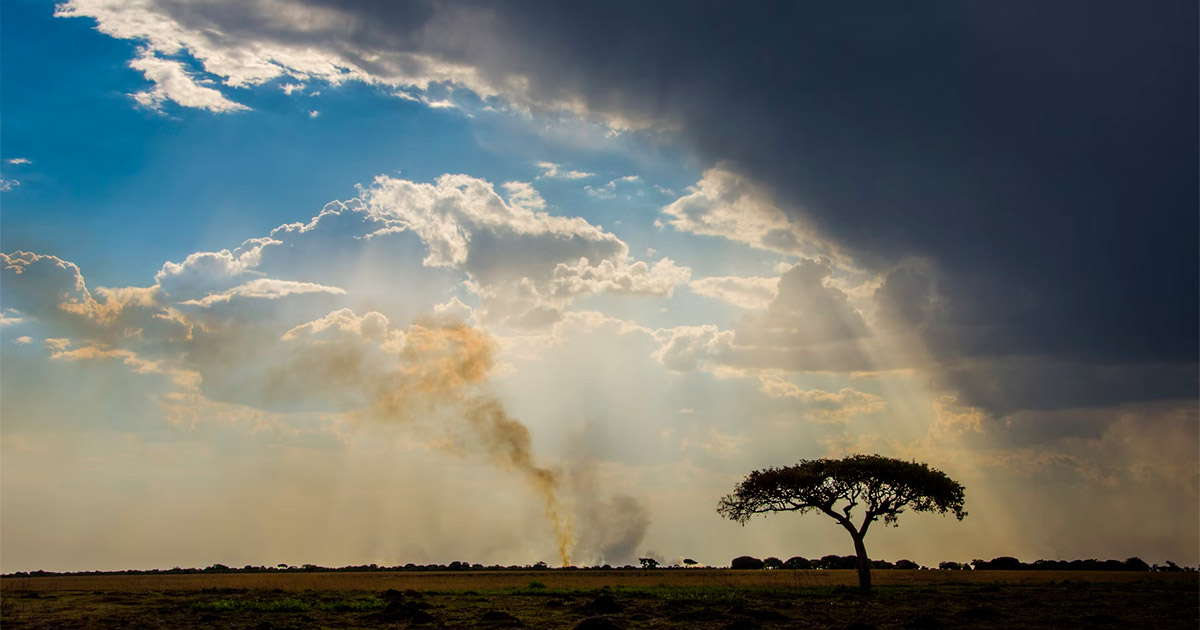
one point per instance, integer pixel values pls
(864, 565)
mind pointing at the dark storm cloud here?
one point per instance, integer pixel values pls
(1042, 155)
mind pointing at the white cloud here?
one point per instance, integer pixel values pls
(809, 325)
(314, 113)
(10, 317)
(23, 340)
(523, 262)
(609, 190)
(729, 205)
(637, 278)
(251, 43)
(8, 184)
(202, 273)
(172, 82)
(263, 288)
(743, 292)
(953, 420)
(686, 348)
(820, 405)
(524, 195)
(344, 325)
(18, 161)
(289, 88)
(550, 170)
(462, 218)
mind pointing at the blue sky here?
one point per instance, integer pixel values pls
(272, 263)
(161, 185)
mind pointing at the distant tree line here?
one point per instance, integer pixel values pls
(829, 562)
(313, 568)
(1003, 563)
(1130, 564)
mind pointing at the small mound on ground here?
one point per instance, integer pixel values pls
(500, 618)
(597, 623)
(421, 617)
(602, 605)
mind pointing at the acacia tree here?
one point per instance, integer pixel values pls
(882, 486)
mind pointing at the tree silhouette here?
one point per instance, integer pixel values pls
(882, 486)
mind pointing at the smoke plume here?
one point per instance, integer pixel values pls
(443, 374)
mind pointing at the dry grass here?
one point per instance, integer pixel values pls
(637, 600)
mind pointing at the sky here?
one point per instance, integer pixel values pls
(372, 282)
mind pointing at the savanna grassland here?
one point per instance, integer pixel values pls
(696, 598)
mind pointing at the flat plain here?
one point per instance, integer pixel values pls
(678, 598)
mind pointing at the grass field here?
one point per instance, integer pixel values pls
(703, 598)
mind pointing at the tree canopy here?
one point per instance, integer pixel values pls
(882, 487)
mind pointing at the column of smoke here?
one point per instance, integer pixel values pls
(444, 372)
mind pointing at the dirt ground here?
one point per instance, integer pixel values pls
(738, 600)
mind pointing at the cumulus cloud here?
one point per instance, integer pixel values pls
(820, 405)
(18, 161)
(524, 195)
(745, 292)
(728, 205)
(809, 325)
(202, 273)
(523, 261)
(53, 291)
(637, 278)
(172, 82)
(223, 313)
(461, 218)
(685, 348)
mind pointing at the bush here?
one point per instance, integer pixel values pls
(746, 562)
(1136, 564)
(837, 562)
(797, 562)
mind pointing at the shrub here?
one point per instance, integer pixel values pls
(746, 562)
(797, 562)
